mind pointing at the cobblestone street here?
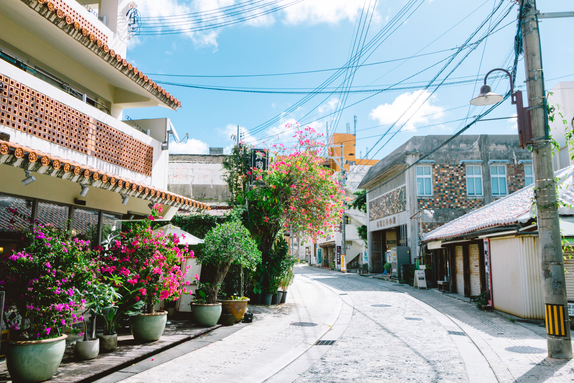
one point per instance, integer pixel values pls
(382, 332)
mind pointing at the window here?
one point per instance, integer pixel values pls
(498, 179)
(474, 180)
(424, 183)
(528, 175)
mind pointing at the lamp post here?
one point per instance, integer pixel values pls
(533, 124)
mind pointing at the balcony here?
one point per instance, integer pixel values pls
(38, 115)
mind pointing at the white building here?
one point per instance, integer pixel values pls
(561, 97)
(66, 155)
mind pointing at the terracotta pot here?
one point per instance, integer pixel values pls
(236, 308)
(148, 327)
(36, 360)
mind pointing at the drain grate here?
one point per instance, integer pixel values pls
(456, 333)
(412, 318)
(342, 293)
(382, 305)
(325, 342)
(526, 350)
(304, 324)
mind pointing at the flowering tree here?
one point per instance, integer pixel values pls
(144, 266)
(297, 192)
(43, 283)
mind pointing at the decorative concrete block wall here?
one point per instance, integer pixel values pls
(391, 203)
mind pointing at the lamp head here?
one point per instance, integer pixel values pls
(29, 178)
(84, 191)
(486, 97)
(125, 199)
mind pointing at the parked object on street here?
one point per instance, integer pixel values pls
(148, 327)
(236, 307)
(206, 314)
(35, 360)
(86, 349)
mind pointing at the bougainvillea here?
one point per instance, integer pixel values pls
(43, 282)
(144, 266)
(296, 192)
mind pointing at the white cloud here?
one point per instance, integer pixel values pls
(192, 146)
(323, 11)
(329, 106)
(415, 106)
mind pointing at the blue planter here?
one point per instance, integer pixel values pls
(206, 315)
(148, 327)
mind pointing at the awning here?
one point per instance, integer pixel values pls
(184, 237)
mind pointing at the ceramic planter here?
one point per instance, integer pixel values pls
(87, 349)
(108, 343)
(236, 308)
(34, 361)
(148, 327)
(205, 314)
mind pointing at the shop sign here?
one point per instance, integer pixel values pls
(338, 255)
(386, 221)
(259, 160)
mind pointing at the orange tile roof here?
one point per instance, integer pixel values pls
(86, 33)
(45, 163)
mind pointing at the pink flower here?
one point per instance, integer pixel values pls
(48, 329)
(143, 291)
(164, 294)
(196, 277)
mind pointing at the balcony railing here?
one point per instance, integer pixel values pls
(25, 109)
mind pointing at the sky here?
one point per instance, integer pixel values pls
(405, 44)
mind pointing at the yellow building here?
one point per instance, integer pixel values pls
(349, 153)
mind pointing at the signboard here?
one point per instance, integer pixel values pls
(420, 279)
(338, 255)
(259, 160)
(487, 270)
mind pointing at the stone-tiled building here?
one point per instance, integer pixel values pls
(413, 191)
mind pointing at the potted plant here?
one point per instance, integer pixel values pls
(102, 300)
(145, 267)
(388, 266)
(225, 244)
(235, 305)
(284, 282)
(42, 282)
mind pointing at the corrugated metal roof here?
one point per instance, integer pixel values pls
(515, 208)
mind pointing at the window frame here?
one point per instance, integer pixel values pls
(529, 176)
(498, 177)
(473, 177)
(424, 177)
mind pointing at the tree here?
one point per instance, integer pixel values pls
(297, 192)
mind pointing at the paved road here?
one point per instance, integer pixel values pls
(382, 332)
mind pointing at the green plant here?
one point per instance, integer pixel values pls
(388, 266)
(101, 301)
(43, 283)
(481, 299)
(225, 244)
(286, 279)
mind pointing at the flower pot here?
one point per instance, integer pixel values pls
(34, 361)
(87, 349)
(267, 299)
(148, 327)
(108, 343)
(236, 308)
(277, 297)
(283, 297)
(206, 314)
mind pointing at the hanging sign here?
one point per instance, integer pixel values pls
(260, 161)
(338, 255)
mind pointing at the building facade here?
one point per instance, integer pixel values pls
(67, 156)
(418, 188)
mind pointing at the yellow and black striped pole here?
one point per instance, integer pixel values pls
(555, 320)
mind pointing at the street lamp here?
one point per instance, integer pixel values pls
(488, 97)
(531, 120)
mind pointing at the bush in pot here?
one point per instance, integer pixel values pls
(144, 267)
(42, 282)
(225, 244)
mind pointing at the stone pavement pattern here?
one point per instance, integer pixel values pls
(383, 332)
(258, 351)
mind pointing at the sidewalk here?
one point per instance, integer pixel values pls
(128, 353)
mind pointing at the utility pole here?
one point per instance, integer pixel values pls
(343, 226)
(556, 309)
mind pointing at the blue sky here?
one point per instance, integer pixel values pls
(317, 35)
